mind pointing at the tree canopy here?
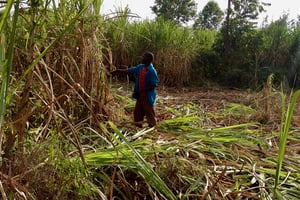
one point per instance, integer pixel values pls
(180, 11)
(210, 17)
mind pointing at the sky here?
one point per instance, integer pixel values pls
(142, 7)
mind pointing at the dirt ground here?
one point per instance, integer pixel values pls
(215, 99)
(267, 107)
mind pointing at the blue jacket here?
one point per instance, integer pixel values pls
(151, 80)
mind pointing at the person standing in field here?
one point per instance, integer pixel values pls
(144, 89)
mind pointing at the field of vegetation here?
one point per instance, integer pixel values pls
(210, 143)
(228, 111)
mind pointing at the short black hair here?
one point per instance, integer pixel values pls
(149, 56)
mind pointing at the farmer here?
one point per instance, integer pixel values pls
(144, 89)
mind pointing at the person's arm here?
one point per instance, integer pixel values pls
(119, 72)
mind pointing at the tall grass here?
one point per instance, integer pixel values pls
(6, 58)
(58, 84)
(174, 46)
(284, 132)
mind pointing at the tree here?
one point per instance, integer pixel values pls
(242, 16)
(210, 17)
(238, 42)
(180, 11)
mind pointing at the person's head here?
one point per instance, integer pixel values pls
(147, 58)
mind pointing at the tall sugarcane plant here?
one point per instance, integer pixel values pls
(56, 68)
(6, 57)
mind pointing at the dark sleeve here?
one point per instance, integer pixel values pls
(134, 70)
(119, 72)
